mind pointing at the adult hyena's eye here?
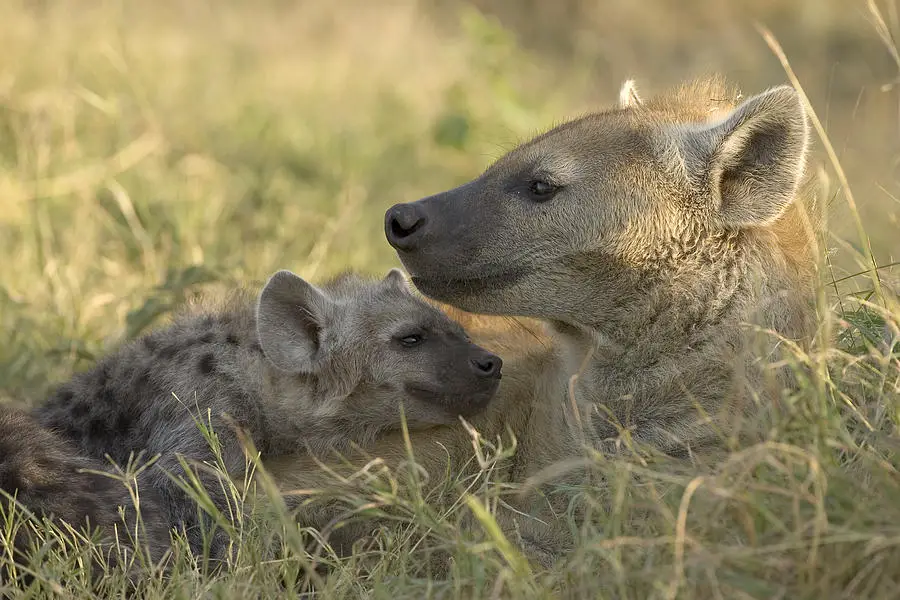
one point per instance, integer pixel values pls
(413, 339)
(542, 190)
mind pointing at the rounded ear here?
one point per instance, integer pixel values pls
(751, 162)
(628, 95)
(291, 316)
(396, 278)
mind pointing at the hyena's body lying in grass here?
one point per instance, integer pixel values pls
(48, 477)
(645, 238)
(301, 369)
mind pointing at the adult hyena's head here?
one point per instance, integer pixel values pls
(576, 222)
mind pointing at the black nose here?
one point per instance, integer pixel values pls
(487, 365)
(403, 225)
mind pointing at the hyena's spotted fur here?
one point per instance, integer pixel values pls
(46, 475)
(301, 369)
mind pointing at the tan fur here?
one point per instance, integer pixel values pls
(672, 224)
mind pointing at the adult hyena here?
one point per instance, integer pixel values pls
(646, 236)
(301, 369)
(640, 238)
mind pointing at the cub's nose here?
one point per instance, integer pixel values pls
(404, 225)
(487, 365)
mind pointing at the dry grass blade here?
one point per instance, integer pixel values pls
(832, 156)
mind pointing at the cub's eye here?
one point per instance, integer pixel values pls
(411, 340)
(542, 190)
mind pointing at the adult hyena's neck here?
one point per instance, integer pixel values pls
(672, 311)
(651, 369)
(662, 396)
(688, 354)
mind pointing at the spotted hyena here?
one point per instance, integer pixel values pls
(46, 476)
(647, 236)
(301, 368)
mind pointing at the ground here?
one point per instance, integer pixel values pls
(153, 151)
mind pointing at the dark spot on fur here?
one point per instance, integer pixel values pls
(232, 339)
(107, 396)
(207, 364)
(123, 424)
(169, 352)
(256, 347)
(206, 338)
(98, 427)
(80, 409)
(682, 452)
(151, 344)
(63, 397)
(10, 479)
(70, 431)
(143, 379)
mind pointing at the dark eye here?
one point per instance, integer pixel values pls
(411, 340)
(542, 190)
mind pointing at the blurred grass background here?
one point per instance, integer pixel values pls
(153, 150)
(147, 149)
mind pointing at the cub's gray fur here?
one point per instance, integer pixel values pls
(45, 473)
(303, 368)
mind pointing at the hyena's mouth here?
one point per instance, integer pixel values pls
(466, 404)
(443, 285)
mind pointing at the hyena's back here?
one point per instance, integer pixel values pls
(48, 476)
(128, 400)
(151, 396)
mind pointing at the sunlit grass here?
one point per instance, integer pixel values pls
(151, 153)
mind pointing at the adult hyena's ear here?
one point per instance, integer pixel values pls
(396, 278)
(628, 95)
(751, 162)
(291, 316)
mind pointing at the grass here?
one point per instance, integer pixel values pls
(152, 152)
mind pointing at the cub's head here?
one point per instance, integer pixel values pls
(370, 346)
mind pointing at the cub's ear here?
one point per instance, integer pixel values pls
(291, 316)
(396, 278)
(628, 95)
(751, 162)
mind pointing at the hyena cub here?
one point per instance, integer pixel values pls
(46, 475)
(302, 369)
